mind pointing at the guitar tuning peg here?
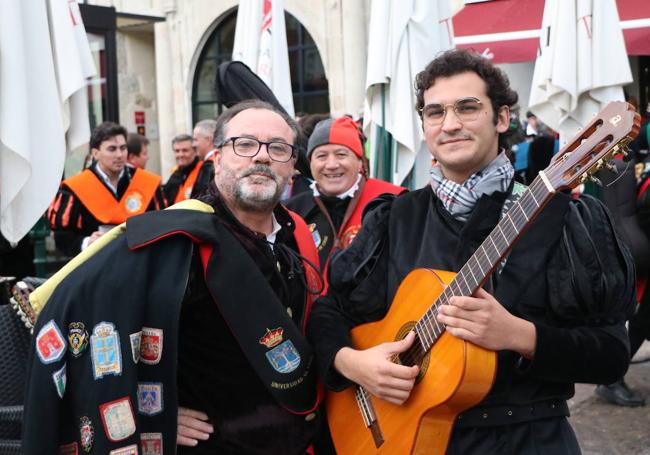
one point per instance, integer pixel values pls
(596, 180)
(625, 151)
(611, 167)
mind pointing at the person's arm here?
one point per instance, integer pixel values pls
(358, 294)
(171, 187)
(158, 202)
(71, 222)
(590, 279)
(376, 372)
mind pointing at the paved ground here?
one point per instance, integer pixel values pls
(606, 429)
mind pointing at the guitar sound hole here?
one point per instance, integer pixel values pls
(415, 355)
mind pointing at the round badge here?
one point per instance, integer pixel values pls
(133, 202)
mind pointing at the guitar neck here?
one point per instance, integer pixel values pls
(486, 258)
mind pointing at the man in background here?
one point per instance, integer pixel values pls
(203, 136)
(102, 196)
(180, 184)
(138, 150)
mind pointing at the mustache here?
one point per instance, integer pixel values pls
(447, 137)
(259, 169)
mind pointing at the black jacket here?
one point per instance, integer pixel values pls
(573, 279)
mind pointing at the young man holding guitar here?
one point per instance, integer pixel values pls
(552, 307)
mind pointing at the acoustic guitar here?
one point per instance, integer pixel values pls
(454, 374)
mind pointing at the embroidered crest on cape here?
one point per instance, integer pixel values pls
(60, 379)
(86, 433)
(150, 398)
(128, 450)
(151, 345)
(117, 417)
(50, 344)
(151, 443)
(77, 338)
(135, 345)
(105, 350)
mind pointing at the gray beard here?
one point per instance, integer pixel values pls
(244, 197)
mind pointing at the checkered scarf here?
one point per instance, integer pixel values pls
(459, 199)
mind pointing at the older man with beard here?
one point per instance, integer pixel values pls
(226, 282)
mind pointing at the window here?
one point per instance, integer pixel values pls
(308, 81)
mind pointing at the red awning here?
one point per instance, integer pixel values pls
(508, 30)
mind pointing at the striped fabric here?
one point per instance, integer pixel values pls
(459, 199)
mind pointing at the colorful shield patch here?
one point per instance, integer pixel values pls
(284, 358)
(105, 350)
(151, 443)
(315, 234)
(135, 346)
(77, 338)
(129, 450)
(50, 344)
(150, 399)
(69, 449)
(117, 417)
(151, 345)
(59, 378)
(348, 236)
(86, 433)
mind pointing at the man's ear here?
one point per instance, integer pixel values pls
(503, 119)
(94, 152)
(216, 158)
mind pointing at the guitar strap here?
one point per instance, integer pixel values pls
(272, 342)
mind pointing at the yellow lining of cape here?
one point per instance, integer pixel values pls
(42, 294)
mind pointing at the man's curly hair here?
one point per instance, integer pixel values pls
(457, 61)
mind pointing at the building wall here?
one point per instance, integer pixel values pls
(339, 28)
(156, 70)
(137, 87)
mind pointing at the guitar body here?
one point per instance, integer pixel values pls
(456, 377)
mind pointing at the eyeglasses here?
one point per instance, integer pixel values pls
(249, 147)
(466, 110)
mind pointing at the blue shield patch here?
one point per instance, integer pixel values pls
(150, 398)
(284, 358)
(315, 234)
(105, 350)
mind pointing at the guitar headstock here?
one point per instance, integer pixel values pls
(591, 149)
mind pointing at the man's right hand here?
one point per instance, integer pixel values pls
(192, 427)
(94, 236)
(373, 370)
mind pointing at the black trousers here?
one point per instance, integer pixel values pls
(640, 324)
(538, 437)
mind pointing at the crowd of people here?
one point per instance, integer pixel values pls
(218, 326)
